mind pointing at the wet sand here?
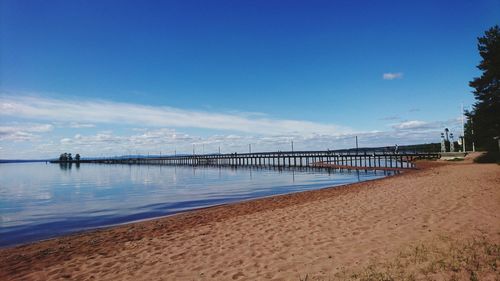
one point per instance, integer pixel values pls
(278, 238)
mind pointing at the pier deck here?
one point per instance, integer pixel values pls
(344, 159)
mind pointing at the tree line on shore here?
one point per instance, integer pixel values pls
(67, 157)
(483, 120)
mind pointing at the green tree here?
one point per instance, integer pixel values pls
(485, 115)
(469, 133)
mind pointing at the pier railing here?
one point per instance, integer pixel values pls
(348, 159)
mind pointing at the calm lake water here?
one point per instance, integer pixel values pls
(39, 201)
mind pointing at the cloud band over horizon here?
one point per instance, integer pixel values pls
(44, 127)
(102, 111)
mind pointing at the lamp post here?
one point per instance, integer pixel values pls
(443, 144)
(452, 143)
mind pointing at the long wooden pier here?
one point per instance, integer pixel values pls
(325, 159)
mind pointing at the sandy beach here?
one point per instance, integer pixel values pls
(318, 233)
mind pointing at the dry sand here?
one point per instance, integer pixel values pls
(278, 238)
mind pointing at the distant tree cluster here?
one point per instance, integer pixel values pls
(67, 157)
(483, 124)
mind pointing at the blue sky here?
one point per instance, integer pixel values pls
(111, 77)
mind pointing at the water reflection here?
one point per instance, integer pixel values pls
(38, 201)
(65, 166)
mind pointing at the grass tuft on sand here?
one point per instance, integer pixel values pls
(443, 259)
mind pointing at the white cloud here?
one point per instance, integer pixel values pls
(66, 140)
(154, 141)
(423, 126)
(413, 124)
(151, 129)
(6, 135)
(101, 111)
(23, 132)
(392, 76)
(80, 125)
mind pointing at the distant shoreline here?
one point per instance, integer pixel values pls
(21, 161)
